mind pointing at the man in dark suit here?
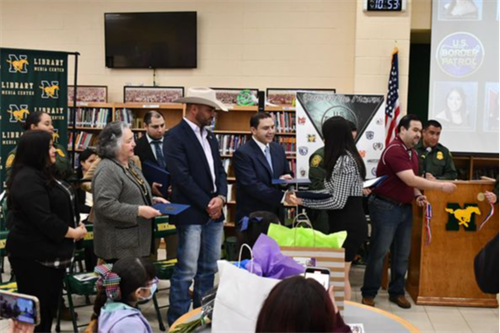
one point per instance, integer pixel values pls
(150, 146)
(198, 180)
(255, 165)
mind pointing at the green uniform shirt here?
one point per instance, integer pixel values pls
(438, 162)
(317, 175)
(317, 172)
(62, 162)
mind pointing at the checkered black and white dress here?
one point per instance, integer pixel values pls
(345, 205)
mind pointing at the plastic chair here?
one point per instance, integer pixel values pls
(11, 285)
(83, 284)
(164, 268)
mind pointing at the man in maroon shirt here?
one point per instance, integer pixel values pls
(391, 211)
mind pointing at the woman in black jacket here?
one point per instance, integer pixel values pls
(45, 223)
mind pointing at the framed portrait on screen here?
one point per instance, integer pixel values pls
(455, 105)
(460, 10)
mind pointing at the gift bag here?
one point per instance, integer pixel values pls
(305, 237)
(240, 297)
(316, 254)
(333, 259)
(268, 261)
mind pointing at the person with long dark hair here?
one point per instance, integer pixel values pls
(85, 200)
(298, 304)
(43, 122)
(345, 172)
(120, 287)
(455, 113)
(45, 223)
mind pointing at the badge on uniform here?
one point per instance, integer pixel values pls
(439, 155)
(316, 160)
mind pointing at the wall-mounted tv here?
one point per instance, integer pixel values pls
(151, 40)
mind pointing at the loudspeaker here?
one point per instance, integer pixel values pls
(262, 100)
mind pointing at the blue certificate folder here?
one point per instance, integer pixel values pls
(291, 181)
(170, 208)
(154, 174)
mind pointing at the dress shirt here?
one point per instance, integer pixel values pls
(263, 148)
(205, 145)
(153, 148)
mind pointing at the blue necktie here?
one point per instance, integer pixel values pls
(159, 153)
(267, 152)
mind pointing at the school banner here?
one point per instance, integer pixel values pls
(365, 111)
(31, 81)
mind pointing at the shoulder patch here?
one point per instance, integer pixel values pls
(60, 152)
(316, 160)
(10, 160)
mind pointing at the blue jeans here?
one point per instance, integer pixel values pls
(197, 254)
(391, 228)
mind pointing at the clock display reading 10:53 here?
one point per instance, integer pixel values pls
(384, 5)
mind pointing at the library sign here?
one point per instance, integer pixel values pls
(31, 81)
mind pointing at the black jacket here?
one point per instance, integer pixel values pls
(254, 188)
(191, 178)
(41, 217)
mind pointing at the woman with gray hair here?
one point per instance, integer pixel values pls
(123, 225)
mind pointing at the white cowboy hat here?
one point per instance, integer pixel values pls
(203, 96)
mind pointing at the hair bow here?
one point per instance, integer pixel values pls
(108, 281)
(246, 220)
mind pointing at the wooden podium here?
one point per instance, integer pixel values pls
(442, 273)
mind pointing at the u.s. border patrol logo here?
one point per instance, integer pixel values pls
(18, 113)
(18, 64)
(303, 150)
(370, 135)
(50, 89)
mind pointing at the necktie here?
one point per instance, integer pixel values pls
(267, 152)
(159, 153)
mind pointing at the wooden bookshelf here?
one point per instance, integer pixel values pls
(473, 166)
(234, 122)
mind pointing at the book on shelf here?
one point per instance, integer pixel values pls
(89, 117)
(230, 195)
(284, 121)
(228, 143)
(292, 164)
(289, 143)
(83, 140)
(225, 164)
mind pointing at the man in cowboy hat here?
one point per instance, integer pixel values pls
(198, 180)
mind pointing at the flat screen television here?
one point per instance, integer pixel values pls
(151, 40)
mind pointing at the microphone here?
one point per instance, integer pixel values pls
(428, 150)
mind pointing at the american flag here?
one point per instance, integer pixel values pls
(392, 109)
